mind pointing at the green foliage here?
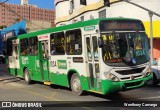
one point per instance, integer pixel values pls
(3, 26)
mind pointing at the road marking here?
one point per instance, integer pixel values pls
(156, 97)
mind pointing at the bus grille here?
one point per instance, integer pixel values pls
(133, 84)
(135, 77)
(132, 71)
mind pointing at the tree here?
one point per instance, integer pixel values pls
(17, 20)
(3, 26)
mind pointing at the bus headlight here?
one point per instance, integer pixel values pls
(111, 77)
(148, 72)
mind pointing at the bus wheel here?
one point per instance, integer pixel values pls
(26, 76)
(76, 85)
(154, 80)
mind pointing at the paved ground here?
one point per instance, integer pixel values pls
(15, 89)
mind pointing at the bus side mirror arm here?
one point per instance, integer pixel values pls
(100, 42)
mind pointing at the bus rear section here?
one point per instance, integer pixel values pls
(12, 56)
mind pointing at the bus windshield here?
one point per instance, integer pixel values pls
(125, 48)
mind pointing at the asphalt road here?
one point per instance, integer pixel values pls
(15, 89)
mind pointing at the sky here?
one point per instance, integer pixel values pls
(49, 4)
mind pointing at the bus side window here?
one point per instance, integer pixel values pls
(74, 42)
(57, 44)
(24, 49)
(33, 46)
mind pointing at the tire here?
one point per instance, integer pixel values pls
(154, 80)
(76, 85)
(26, 76)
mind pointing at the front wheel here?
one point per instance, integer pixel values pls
(154, 80)
(26, 76)
(76, 85)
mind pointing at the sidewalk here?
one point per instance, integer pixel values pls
(4, 70)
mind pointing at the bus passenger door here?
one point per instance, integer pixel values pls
(15, 55)
(93, 62)
(14, 59)
(44, 60)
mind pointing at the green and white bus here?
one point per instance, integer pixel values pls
(104, 55)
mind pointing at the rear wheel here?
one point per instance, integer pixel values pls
(76, 85)
(26, 76)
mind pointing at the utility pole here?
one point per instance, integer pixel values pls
(151, 13)
(151, 37)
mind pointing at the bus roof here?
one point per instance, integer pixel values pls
(70, 26)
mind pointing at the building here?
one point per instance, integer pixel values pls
(19, 28)
(11, 13)
(80, 10)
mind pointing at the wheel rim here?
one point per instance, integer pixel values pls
(76, 84)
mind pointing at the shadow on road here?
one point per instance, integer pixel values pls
(6, 79)
(9, 80)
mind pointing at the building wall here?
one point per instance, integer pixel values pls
(21, 28)
(35, 25)
(17, 29)
(156, 49)
(10, 13)
(60, 9)
(77, 11)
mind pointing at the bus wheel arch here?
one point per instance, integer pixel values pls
(75, 82)
(26, 75)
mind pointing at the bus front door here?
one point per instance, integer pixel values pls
(44, 60)
(93, 62)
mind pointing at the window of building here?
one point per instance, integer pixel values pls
(57, 44)
(83, 2)
(102, 14)
(82, 18)
(72, 4)
(33, 46)
(74, 42)
(24, 46)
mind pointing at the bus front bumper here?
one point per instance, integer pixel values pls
(113, 87)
